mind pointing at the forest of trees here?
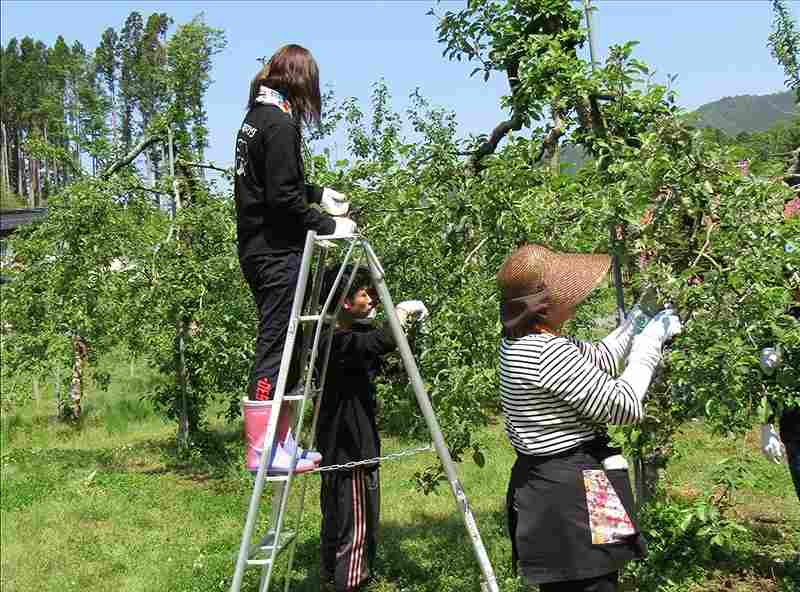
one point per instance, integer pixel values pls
(67, 110)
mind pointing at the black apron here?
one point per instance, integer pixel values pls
(569, 519)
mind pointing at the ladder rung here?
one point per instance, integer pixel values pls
(332, 237)
(297, 395)
(306, 318)
(287, 397)
(286, 540)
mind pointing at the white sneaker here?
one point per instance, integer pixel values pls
(289, 445)
(281, 462)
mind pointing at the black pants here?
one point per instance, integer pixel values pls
(350, 505)
(272, 280)
(606, 583)
(793, 455)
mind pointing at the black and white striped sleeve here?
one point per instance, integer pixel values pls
(571, 375)
(609, 354)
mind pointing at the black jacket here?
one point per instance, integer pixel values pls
(272, 198)
(346, 426)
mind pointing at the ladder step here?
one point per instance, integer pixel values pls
(297, 394)
(266, 545)
(329, 238)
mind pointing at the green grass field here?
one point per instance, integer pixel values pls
(113, 507)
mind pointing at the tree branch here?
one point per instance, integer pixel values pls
(550, 142)
(204, 165)
(140, 147)
(501, 129)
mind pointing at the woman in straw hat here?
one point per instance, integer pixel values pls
(569, 499)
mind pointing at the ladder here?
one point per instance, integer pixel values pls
(265, 553)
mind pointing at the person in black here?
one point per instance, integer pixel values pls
(347, 431)
(788, 436)
(273, 203)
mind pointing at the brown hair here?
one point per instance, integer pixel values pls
(293, 72)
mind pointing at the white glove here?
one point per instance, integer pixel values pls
(334, 203)
(344, 227)
(645, 353)
(771, 444)
(414, 308)
(664, 326)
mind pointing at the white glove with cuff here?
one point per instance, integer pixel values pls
(645, 353)
(415, 308)
(771, 445)
(344, 227)
(334, 203)
(411, 309)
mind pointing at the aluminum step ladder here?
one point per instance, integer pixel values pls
(265, 553)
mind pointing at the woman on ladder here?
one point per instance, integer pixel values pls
(274, 213)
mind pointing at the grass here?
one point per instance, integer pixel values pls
(112, 506)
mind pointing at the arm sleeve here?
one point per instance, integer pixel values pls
(313, 193)
(609, 354)
(593, 393)
(361, 344)
(285, 187)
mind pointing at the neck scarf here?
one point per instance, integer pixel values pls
(267, 96)
(526, 314)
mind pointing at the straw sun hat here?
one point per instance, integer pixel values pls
(537, 285)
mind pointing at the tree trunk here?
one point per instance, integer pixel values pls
(46, 179)
(79, 351)
(114, 134)
(4, 161)
(20, 164)
(184, 423)
(34, 186)
(28, 179)
(554, 150)
(650, 478)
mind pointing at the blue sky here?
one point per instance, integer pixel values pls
(716, 47)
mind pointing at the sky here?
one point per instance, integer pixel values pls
(717, 48)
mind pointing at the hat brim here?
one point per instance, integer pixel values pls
(571, 277)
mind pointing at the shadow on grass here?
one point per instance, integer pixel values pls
(424, 552)
(213, 455)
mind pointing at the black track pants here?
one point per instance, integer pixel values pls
(272, 280)
(350, 504)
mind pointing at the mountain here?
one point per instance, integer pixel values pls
(732, 115)
(746, 113)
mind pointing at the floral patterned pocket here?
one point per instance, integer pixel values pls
(608, 520)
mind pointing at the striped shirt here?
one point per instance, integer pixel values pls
(557, 391)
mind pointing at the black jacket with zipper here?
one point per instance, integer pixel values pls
(272, 198)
